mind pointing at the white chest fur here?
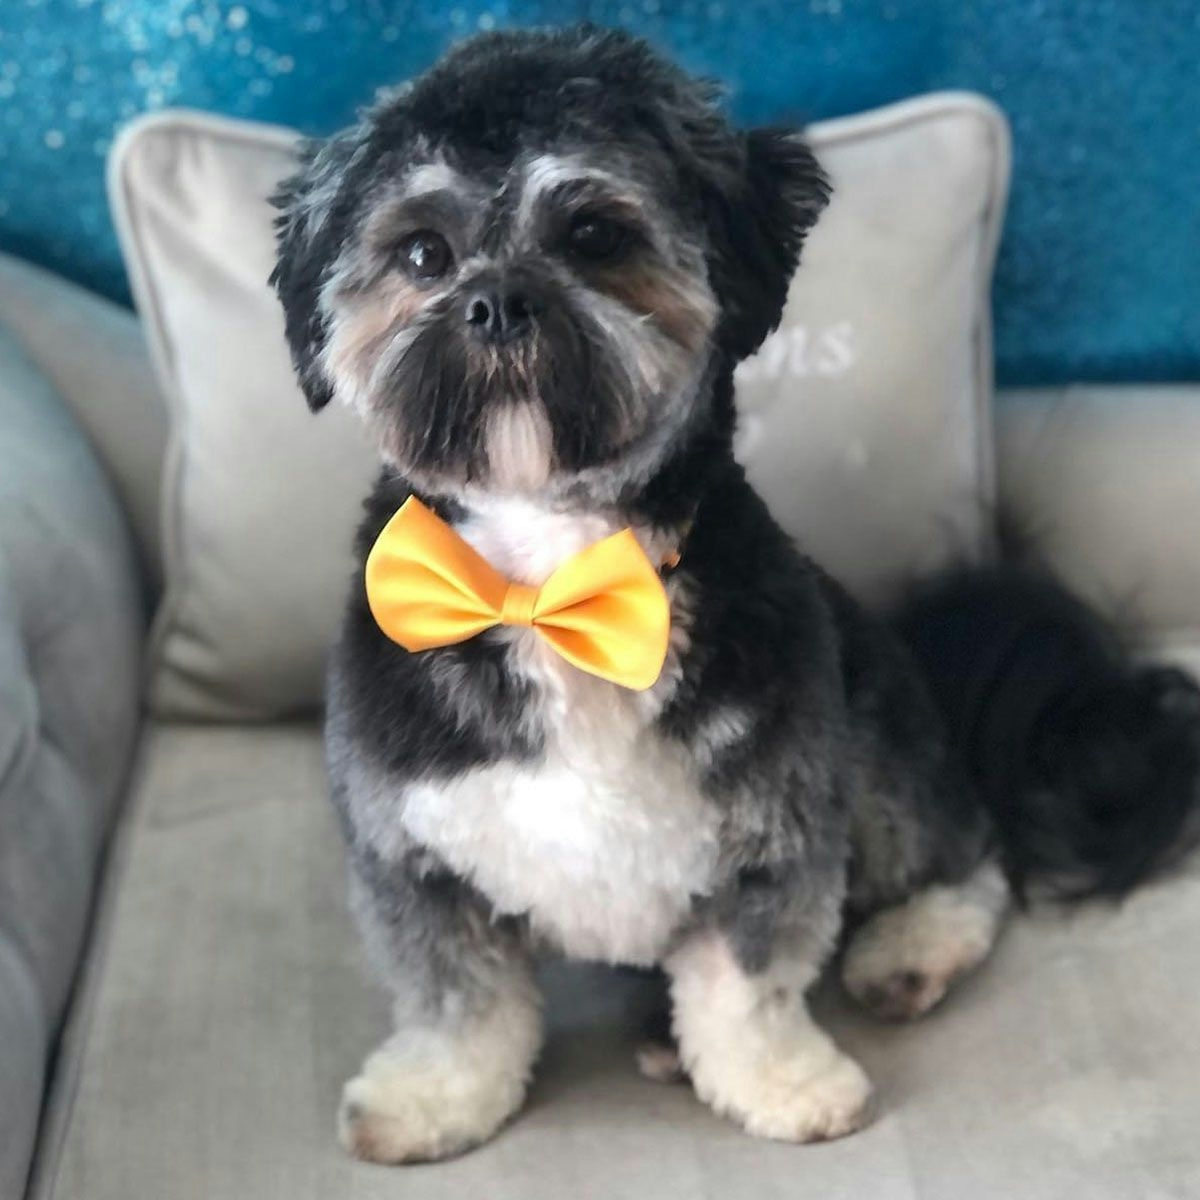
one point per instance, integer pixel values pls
(605, 840)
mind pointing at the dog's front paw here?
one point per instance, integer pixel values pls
(792, 1098)
(423, 1099)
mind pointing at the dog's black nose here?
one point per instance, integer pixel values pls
(499, 315)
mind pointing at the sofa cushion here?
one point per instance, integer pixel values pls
(1105, 484)
(866, 414)
(233, 1001)
(70, 636)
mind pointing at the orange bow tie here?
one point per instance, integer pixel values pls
(604, 610)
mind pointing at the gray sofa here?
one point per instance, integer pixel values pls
(181, 994)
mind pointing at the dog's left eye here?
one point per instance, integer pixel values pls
(425, 254)
(596, 238)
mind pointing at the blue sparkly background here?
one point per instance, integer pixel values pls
(1099, 274)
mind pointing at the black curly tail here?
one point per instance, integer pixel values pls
(1088, 763)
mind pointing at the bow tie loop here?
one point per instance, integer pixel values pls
(520, 600)
(604, 610)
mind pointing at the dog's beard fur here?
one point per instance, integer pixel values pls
(596, 387)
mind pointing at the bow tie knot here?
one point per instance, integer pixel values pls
(604, 610)
(519, 603)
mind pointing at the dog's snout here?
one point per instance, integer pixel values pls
(499, 314)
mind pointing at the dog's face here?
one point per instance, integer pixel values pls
(525, 268)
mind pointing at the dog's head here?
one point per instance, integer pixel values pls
(528, 265)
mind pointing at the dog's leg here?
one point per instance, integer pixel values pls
(467, 1017)
(751, 1048)
(904, 959)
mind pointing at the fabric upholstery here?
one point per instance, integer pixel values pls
(234, 1001)
(71, 622)
(94, 353)
(865, 427)
(1106, 484)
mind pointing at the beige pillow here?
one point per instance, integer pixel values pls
(866, 416)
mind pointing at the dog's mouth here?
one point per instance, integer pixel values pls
(451, 404)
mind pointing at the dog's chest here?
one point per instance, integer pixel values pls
(604, 840)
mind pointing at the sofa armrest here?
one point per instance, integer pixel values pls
(95, 355)
(71, 631)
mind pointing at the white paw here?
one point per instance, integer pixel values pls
(903, 960)
(396, 1112)
(753, 1051)
(429, 1094)
(796, 1100)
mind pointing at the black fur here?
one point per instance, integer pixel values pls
(1088, 763)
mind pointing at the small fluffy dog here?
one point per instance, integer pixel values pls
(532, 271)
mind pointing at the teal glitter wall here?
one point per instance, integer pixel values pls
(1099, 274)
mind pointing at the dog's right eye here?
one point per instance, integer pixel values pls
(596, 239)
(425, 254)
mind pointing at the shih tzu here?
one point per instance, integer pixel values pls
(532, 271)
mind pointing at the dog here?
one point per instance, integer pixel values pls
(532, 272)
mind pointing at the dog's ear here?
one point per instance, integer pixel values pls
(306, 242)
(759, 206)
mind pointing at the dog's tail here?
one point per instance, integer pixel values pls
(1088, 763)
